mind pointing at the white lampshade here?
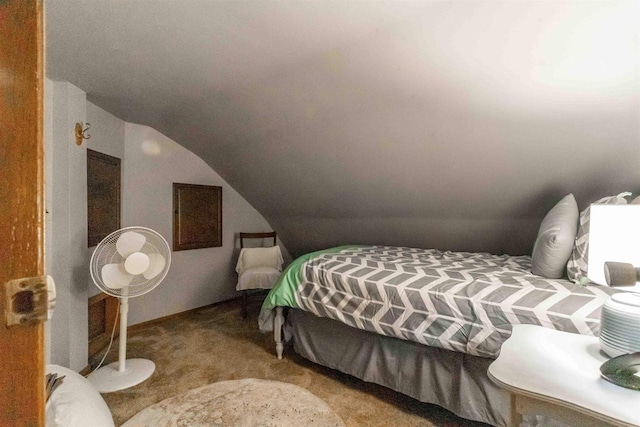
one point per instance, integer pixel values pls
(614, 235)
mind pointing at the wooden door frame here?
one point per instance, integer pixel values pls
(22, 389)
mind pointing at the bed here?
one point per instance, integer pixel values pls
(423, 322)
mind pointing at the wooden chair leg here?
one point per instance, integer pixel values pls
(244, 305)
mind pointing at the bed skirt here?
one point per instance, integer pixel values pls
(455, 381)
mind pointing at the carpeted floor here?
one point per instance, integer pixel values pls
(214, 344)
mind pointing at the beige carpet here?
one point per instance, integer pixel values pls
(240, 403)
(214, 344)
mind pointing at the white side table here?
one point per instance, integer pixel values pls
(557, 374)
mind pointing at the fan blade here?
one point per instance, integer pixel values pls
(115, 276)
(129, 243)
(156, 265)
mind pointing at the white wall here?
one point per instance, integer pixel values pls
(66, 233)
(48, 196)
(151, 162)
(107, 132)
(197, 277)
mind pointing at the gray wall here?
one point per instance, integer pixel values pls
(450, 124)
(151, 162)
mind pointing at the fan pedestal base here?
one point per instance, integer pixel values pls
(107, 379)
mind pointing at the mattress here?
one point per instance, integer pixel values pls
(458, 301)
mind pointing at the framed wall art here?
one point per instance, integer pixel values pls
(197, 216)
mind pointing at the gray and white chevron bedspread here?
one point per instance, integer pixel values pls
(466, 302)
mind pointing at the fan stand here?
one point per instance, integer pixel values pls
(125, 372)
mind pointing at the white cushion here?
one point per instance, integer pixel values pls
(259, 257)
(258, 278)
(75, 402)
(555, 239)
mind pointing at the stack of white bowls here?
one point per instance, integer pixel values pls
(620, 324)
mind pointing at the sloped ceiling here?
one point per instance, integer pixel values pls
(450, 124)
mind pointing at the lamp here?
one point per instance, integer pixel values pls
(621, 274)
(614, 251)
(614, 246)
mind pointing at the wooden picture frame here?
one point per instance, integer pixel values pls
(103, 196)
(197, 216)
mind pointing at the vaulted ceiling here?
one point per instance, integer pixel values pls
(451, 124)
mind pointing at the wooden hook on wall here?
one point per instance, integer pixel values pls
(82, 133)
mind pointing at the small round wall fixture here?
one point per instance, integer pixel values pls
(81, 133)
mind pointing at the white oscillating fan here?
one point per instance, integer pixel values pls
(127, 263)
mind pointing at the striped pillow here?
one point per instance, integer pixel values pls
(577, 265)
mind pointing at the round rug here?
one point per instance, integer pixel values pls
(241, 403)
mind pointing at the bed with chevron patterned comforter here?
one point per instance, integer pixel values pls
(460, 301)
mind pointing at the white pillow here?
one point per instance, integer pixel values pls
(259, 257)
(555, 239)
(75, 402)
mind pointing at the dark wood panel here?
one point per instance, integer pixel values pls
(103, 195)
(197, 218)
(102, 316)
(97, 319)
(22, 394)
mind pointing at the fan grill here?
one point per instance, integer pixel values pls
(106, 253)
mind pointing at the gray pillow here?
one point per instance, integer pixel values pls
(555, 239)
(578, 262)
